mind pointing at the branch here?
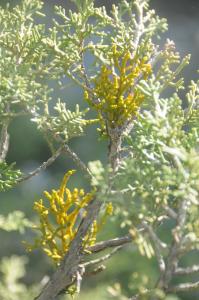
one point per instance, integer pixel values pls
(139, 24)
(187, 271)
(96, 271)
(110, 243)
(114, 156)
(51, 160)
(184, 287)
(153, 236)
(103, 258)
(43, 166)
(101, 267)
(4, 141)
(66, 273)
(158, 245)
(78, 161)
(173, 256)
(67, 149)
(170, 212)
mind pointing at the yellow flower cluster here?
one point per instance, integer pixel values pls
(115, 87)
(60, 219)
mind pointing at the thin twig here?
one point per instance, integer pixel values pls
(78, 161)
(110, 243)
(184, 287)
(103, 258)
(96, 271)
(187, 271)
(158, 246)
(162, 246)
(173, 256)
(170, 212)
(43, 166)
(78, 281)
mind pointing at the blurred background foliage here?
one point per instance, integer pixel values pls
(29, 150)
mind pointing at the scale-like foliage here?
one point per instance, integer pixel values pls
(12, 287)
(15, 221)
(22, 54)
(65, 124)
(8, 176)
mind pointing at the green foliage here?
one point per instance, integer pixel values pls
(97, 171)
(65, 124)
(8, 176)
(22, 56)
(160, 165)
(139, 283)
(192, 109)
(15, 221)
(76, 35)
(11, 288)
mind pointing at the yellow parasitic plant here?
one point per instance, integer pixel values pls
(60, 218)
(115, 88)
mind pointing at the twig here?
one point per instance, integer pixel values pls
(184, 287)
(4, 141)
(173, 256)
(72, 154)
(43, 166)
(78, 161)
(85, 77)
(114, 154)
(139, 24)
(170, 212)
(110, 243)
(96, 271)
(153, 236)
(79, 280)
(187, 271)
(103, 258)
(46, 164)
(158, 245)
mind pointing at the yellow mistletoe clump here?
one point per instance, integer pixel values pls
(60, 215)
(115, 88)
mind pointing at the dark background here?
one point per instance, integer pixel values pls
(29, 150)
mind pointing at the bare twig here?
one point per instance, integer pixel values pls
(173, 256)
(79, 278)
(184, 287)
(158, 245)
(78, 161)
(187, 271)
(71, 154)
(96, 271)
(161, 245)
(110, 243)
(114, 154)
(170, 212)
(43, 166)
(51, 160)
(103, 258)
